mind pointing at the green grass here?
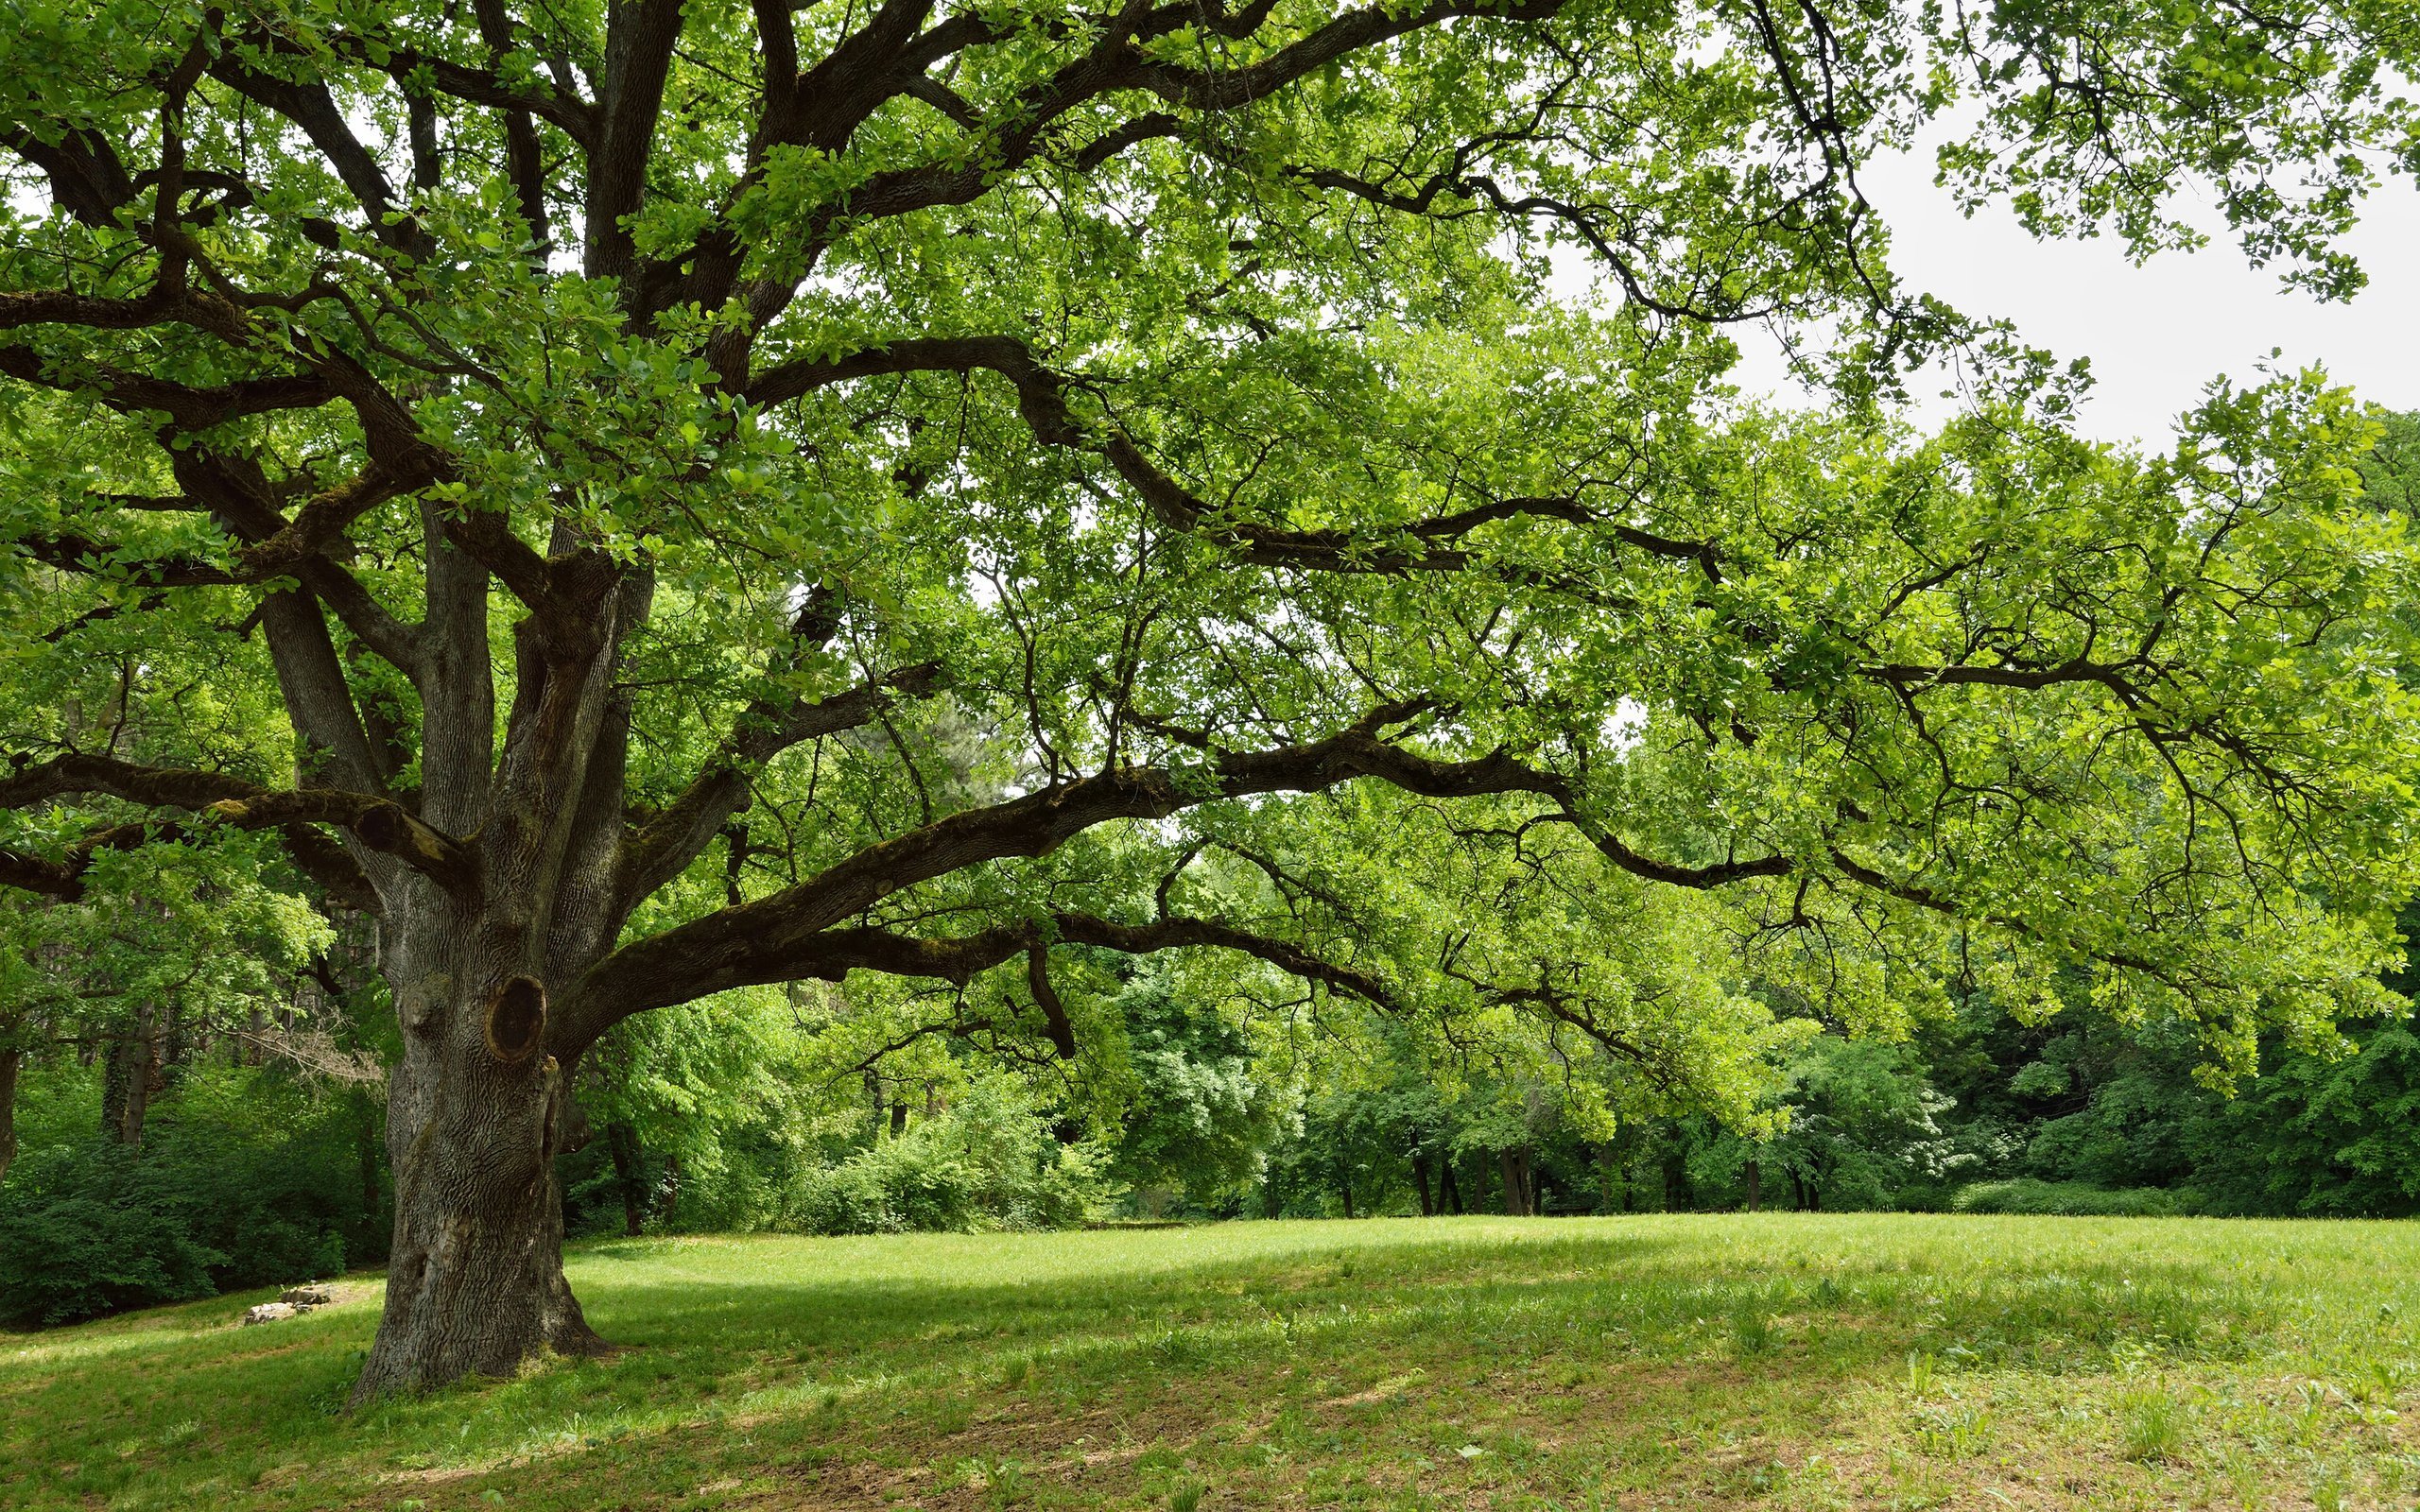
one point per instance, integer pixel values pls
(1780, 1361)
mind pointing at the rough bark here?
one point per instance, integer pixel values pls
(476, 1112)
(1756, 1186)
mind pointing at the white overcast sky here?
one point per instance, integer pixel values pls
(2158, 333)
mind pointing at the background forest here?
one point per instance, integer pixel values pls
(218, 1138)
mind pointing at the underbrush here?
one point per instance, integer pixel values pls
(2071, 1199)
(243, 1179)
(986, 1164)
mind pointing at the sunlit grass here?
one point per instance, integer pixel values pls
(1783, 1360)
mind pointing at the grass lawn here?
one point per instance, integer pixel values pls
(1705, 1361)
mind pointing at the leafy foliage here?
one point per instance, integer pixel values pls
(986, 1164)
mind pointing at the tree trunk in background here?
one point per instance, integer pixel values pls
(9, 1062)
(1756, 1186)
(898, 1118)
(1420, 1179)
(1347, 1185)
(365, 1112)
(176, 1045)
(141, 1077)
(126, 1086)
(116, 1065)
(1452, 1193)
(1516, 1191)
(630, 1173)
(1677, 1196)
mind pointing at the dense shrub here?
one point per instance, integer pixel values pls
(987, 1163)
(2078, 1199)
(242, 1180)
(89, 1229)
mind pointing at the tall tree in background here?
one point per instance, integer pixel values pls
(631, 445)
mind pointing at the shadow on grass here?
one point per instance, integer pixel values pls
(1515, 1291)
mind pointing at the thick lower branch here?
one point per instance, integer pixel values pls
(379, 824)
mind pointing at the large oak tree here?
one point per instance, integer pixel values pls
(646, 446)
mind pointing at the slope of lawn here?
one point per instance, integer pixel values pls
(1703, 1361)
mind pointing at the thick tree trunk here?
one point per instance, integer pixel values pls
(1756, 1186)
(477, 1113)
(1453, 1193)
(9, 1062)
(1420, 1179)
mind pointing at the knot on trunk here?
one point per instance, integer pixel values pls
(516, 1018)
(382, 828)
